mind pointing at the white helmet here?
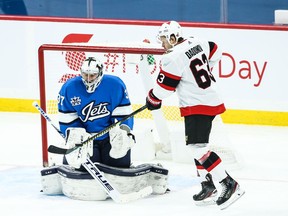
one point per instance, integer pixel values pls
(170, 28)
(92, 73)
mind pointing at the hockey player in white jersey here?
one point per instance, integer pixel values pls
(186, 69)
(88, 104)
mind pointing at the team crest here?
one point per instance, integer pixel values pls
(75, 101)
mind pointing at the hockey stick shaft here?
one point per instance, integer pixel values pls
(97, 175)
(58, 150)
(44, 114)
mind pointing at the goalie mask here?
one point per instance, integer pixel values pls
(170, 28)
(92, 73)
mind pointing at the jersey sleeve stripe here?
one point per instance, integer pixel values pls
(168, 81)
(122, 110)
(172, 76)
(67, 118)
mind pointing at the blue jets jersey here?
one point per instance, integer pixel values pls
(93, 111)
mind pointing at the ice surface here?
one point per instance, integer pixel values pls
(263, 175)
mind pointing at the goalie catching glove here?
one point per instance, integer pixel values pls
(121, 140)
(74, 137)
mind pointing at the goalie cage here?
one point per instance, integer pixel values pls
(137, 65)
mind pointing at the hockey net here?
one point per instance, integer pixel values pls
(160, 134)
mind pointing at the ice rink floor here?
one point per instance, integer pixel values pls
(263, 175)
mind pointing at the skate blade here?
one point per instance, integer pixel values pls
(238, 193)
(208, 201)
(205, 202)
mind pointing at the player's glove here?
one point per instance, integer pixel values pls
(152, 102)
(121, 140)
(74, 137)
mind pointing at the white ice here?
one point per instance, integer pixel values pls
(263, 175)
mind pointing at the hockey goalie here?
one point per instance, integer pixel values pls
(88, 104)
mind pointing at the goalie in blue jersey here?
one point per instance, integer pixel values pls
(88, 104)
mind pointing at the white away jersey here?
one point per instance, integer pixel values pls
(93, 111)
(186, 69)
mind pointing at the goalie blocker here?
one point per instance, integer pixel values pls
(80, 185)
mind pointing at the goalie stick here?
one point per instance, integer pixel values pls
(97, 174)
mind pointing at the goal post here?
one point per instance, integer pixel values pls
(138, 66)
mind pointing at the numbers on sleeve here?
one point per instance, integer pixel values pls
(160, 78)
(202, 76)
(60, 99)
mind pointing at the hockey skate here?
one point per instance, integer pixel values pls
(230, 193)
(208, 193)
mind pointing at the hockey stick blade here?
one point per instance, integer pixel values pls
(58, 150)
(110, 189)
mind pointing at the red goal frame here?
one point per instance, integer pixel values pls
(79, 48)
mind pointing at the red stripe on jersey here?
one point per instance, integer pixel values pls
(166, 87)
(168, 81)
(169, 75)
(202, 110)
(215, 47)
(200, 167)
(214, 165)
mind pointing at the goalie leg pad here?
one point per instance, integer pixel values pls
(158, 179)
(50, 181)
(133, 179)
(80, 184)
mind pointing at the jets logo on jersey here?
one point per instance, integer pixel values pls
(92, 112)
(75, 101)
